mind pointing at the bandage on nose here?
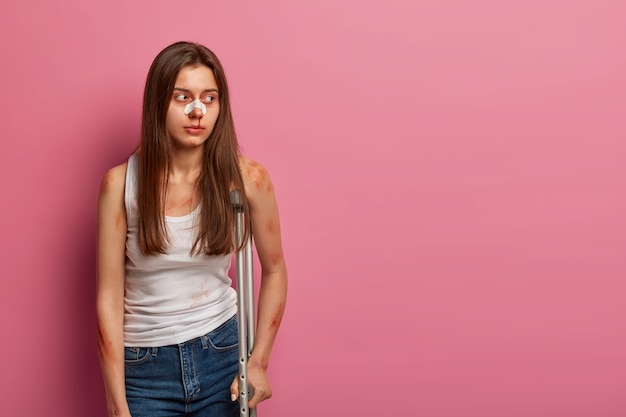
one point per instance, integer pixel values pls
(196, 104)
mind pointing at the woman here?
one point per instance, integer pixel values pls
(166, 310)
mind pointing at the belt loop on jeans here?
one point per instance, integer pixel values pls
(205, 341)
(155, 351)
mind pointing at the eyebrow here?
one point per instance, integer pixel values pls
(208, 90)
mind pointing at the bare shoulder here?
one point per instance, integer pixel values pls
(256, 179)
(112, 228)
(112, 185)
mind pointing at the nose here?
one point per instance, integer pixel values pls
(196, 113)
(194, 107)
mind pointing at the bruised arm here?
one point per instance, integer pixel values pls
(110, 288)
(267, 238)
(265, 226)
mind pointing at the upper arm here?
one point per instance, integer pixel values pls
(264, 216)
(111, 234)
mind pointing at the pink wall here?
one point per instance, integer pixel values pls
(451, 176)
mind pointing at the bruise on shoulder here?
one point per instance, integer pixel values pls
(257, 175)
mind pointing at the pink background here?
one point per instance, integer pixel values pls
(451, 176)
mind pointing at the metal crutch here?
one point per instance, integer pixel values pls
(245, 304)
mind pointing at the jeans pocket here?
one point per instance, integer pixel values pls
(225, 337)
(136, 356)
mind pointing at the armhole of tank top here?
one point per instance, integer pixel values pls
(129, 187)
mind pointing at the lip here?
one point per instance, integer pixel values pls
(194, 129)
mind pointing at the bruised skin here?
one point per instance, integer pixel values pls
(270, 227)
(257, 175)
(181, 198)
(105, 347)
(272, 293)
(260, 192)
(111, 243)
(276, 258)
(277, 318)
(178, 208)
(120, 221)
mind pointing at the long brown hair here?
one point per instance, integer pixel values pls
(220, 167)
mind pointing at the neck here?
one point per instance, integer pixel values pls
(185, 163)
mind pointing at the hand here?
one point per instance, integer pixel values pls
(257, 378)
(114, 412)
(124, 414)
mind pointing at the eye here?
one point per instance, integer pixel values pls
(180, 97)
(208, 99)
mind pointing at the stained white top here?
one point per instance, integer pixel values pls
(173, 297)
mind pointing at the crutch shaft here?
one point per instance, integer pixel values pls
(245, 304)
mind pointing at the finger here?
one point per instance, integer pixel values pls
(234, 389)
(260, 394)
(252, 402)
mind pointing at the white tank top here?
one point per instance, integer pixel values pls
(173, 297)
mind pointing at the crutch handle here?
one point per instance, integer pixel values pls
(235, 201)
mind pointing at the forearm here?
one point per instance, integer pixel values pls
(111, 354)
(272, 298)
(110, 289)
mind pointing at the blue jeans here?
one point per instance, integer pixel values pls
(189, 379)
